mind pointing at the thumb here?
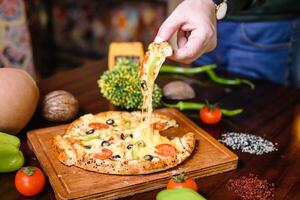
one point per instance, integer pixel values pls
(168, 28)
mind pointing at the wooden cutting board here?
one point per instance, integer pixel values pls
(209, 157)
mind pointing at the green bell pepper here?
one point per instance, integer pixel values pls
(10, 155)
(179, 194)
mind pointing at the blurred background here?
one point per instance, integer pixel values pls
(47, 36)
(65, 33)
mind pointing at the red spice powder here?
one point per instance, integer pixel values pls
(251, 188)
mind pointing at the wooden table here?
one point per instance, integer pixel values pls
(270, 111)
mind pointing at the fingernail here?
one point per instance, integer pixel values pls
(158, 39)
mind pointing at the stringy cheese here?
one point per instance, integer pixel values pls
(152, 63)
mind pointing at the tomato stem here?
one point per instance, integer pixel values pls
(179, 178)
(29, 170)
(210, 106)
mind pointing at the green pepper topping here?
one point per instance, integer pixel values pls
(85, 137)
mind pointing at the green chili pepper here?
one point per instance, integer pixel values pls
(179, 194)
(186, 70)
(10, 156)
(183, 105)
(209, 70)
(213, 76)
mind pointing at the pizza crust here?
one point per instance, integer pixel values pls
(66, 153)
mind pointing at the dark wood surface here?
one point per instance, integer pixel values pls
(271, 111)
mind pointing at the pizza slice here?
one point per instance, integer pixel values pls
(153, 60)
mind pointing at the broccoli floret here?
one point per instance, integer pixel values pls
(121, 86)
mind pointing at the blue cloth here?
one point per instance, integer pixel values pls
(261, 50)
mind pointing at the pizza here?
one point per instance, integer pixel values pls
(111, 143)
(116, 142)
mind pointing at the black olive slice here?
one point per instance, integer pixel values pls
(144, 85)
(110, 122)
(91, 131)
(104, 143)
(116, 156)
(148, 157)
(123, 137)
(129, 146)
(87, 146)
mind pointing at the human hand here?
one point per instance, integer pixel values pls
(195, 23)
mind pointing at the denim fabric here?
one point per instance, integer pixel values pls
(261, 50)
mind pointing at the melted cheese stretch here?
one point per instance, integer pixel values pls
(154, 59)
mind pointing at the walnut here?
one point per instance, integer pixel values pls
(60, 106)
(178, 90)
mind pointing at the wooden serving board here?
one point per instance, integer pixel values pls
(209, 157)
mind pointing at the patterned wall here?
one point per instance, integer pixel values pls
(15, 45)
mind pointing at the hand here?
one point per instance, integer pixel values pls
(195, 23)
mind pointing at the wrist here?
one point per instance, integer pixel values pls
(218, 6)
(210, 3)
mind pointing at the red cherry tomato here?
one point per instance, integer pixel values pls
(210, 115)
(166, 150)
(29, 181)
(98, 126)
(145, 59)
(104, 154)
(180, 181)
(159, 126)
(73, 141)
